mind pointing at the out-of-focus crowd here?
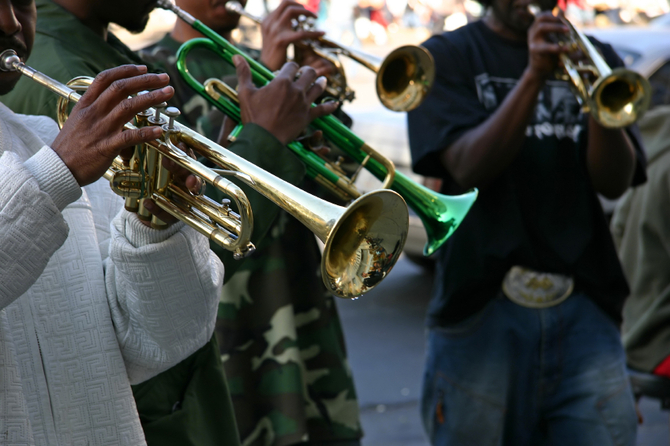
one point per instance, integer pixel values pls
(361, 22)
(373, 20)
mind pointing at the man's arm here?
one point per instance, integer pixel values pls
(163, 286)
(481, 154)
(272, 116)
(35, 192)
(163, 289)
(610, 159)
(32, 228)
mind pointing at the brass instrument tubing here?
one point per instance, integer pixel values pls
(238, 243)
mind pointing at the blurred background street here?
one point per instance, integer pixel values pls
(385, 329)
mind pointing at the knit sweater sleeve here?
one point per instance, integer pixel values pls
(32, 195)
(163, 288)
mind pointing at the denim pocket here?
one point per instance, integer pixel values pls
(458, 416)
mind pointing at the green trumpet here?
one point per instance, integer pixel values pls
(440, 214)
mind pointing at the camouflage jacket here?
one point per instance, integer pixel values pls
(278, 329)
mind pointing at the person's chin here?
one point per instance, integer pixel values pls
(522, 21)
(223, 24)
(8, 80)
(137, 26)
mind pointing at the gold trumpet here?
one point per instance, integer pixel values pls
(615, 97)
(404, 77)
(362, 241)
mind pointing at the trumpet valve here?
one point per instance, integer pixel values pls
(244, 251)
(172, 113)
(127, 184)
(157, 119)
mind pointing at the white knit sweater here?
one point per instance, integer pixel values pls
(91, 300)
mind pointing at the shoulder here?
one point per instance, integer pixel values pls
(159, 53)
(455, 43)
(59, 61)
(30, 98)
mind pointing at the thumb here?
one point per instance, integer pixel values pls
(243, 73)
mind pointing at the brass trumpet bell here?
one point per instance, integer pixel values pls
(363, 241)
(620, 98)
(362, 245)
(405, 78)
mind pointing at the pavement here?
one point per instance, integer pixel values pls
(385, 341)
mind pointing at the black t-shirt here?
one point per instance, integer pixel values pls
(542, 211)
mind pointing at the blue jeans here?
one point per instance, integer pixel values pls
(516, 376)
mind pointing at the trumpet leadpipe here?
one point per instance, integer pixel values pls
(148, 181)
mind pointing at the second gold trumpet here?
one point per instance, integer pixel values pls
(404, 77)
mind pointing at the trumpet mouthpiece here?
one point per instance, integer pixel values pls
(8, 60)
(235, 7)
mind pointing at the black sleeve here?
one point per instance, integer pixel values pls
(451, 108)
(633, 131)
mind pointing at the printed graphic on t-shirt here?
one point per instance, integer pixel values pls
(557, 113)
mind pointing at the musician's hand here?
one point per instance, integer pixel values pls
(182, 178)
(305, 55)
(315, 142)
(278, 33)
(227, 127)
(284, 106)
(93, 134)
(544, 50)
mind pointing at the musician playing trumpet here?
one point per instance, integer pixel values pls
(92, 299)
(264, 301)
(524, 346)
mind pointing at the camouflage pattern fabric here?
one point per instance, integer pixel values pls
(278, 329)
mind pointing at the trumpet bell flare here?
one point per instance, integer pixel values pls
(365, 243)
(620, 98)
(405, 78)
(443, 217)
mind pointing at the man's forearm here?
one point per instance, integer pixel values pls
(610, 159)
(163, 289)
(483, 153)
(32, 195)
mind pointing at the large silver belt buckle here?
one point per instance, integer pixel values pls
(533, 289)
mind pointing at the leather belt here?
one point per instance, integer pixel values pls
(534, 289)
